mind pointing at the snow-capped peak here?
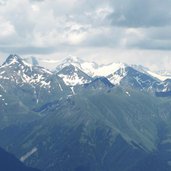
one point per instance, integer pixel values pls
(91, 68)
(18, 71)
(72, 75)
(15, 59)
(118, 74)
(69, 61)
(115, 72)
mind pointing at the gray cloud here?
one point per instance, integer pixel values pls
(153, 44)
(137, 13)
(28, 50)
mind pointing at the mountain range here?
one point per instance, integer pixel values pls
(75, 71)
(82, 116)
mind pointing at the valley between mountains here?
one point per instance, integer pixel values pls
(82, 116)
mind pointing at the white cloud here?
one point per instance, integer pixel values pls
(7, 29)
(35, 8)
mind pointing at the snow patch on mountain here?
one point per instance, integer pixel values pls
(28, 154)
(105, 70)
(19, 71)
(160, 75)
(155, 75)
(73, 80)
(72, 76)
(116, 77)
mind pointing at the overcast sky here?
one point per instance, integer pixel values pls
(130, 31)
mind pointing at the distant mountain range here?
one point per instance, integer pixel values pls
(85, 117)
(74, 71)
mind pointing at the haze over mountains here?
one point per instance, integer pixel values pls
(93, 69)
(85, 117)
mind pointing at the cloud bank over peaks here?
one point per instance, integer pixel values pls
(95, 29)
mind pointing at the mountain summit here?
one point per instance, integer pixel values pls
(13, 59)
(72, 75)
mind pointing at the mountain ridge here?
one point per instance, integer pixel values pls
(85, 126)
